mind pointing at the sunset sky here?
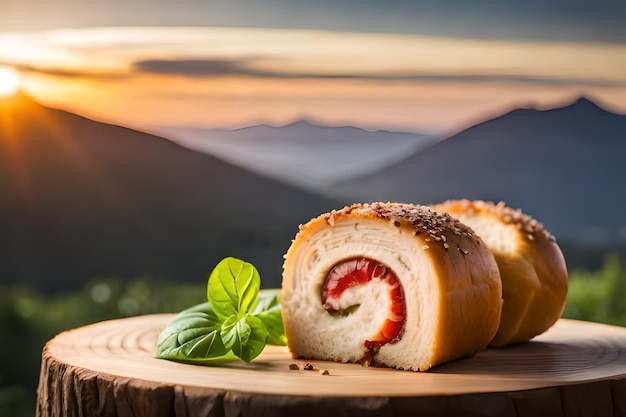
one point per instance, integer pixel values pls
(432, 67)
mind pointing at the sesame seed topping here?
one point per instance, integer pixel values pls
(445, 245)
(522, 221)
(413, 218)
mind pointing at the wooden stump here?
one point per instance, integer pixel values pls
(108, 369)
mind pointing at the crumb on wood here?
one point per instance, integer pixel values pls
(308, 367)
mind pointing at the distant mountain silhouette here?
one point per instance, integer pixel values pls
(303, 153)
(80, 199)
(565, 166)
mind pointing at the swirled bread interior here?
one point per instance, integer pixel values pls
(448, 304)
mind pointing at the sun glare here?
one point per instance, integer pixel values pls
(9, 81)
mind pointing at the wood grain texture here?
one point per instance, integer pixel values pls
(108, 369)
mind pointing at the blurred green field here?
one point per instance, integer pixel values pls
(28, 318)
(598, 296)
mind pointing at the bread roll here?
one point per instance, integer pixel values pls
(392, 285)
(532, 267)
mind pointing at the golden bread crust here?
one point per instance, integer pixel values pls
(532, 267)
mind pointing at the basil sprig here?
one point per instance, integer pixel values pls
(238, 320)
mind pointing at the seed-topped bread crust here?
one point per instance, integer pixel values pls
(532, 266)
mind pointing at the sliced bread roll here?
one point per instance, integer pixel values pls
(532, 267)
(392, 285)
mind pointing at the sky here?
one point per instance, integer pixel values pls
(424, 66)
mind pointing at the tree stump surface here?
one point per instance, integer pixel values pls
(109, 369)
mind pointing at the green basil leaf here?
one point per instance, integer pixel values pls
(268, 311)
(245, 336)
(193, 335)
(268, 298)
(235, 331)
(237, 321)
(233, 288)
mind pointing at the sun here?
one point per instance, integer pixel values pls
(9, 82)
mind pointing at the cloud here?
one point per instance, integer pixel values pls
(250, 67)
(245, 67)
(204, 52)
(65, 72)
(200, 67)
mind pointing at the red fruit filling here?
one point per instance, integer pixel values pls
(360, 271)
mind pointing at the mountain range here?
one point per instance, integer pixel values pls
(564, 166)
(80, 199)
(303, 153)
